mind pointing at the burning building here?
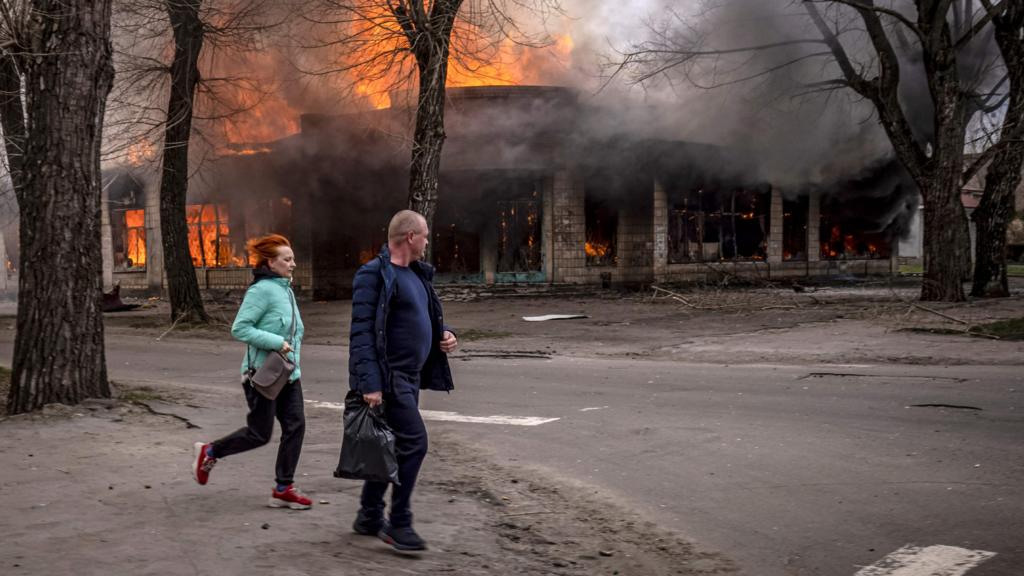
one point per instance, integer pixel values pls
(527, 195)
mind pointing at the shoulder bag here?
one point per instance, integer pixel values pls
(276, 369)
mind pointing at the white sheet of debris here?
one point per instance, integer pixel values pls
(554, 317)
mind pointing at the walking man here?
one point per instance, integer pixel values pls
(398, 346)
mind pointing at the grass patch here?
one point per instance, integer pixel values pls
(943, 331)
(1004, 329)
(1001, 330)
(141, 394)
(1011, 269)
(473, 334)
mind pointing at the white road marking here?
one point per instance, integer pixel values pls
(593, 408)
(547, 317)
(328, 405)
(928, 561)
(455, 416)
(509, 420)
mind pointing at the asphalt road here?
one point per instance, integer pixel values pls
(786, 469)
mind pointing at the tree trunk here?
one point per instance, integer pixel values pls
(428, 140)
(990, 274)
(182, 285)
(937, 165)
(991, 219)
(995, 211)
(431, 49)
(947, 241)
(58, 351)
(946, 244)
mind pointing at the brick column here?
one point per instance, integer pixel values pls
(775, 225)
(814, 228)
(547, 231)
(569, 227)
(154, 246)
(106, 240)
(660, 232)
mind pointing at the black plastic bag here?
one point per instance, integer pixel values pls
(368, 444)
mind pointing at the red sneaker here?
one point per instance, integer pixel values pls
(201, 463)
(290, 498)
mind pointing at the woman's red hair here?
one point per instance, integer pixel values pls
(262, 249)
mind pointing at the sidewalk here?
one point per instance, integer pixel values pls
(106, 488)
(826, 325)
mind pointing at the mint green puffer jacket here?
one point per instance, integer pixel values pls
(264, 320)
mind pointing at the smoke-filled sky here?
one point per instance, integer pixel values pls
(794, 139)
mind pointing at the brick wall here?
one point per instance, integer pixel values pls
(712, 272)
(130, 280)
(568, 228)
(634, 245)
(659, 226)
(814, 228)
(775, 216)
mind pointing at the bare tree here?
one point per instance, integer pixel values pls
(390, 39)
(1004, 159)
(927, 34)
(196, 30)
(54, 138)
(182, 285)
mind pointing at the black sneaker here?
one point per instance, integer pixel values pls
(368, 526)
(404, 539)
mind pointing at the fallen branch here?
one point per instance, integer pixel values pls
(173, 324)
(971, 332)
(937, 313)
(679, 298)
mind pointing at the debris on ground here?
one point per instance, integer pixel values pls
(112, 301)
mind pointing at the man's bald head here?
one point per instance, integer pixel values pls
(404, 222)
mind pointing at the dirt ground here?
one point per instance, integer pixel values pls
(105, 488)
(844, 323)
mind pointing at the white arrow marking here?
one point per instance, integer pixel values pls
(929, 561)
(456, 417)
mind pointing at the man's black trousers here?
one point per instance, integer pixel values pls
(289, 411)
(401, 409)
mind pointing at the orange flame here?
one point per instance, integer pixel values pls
(475, 60)
(253, 112)
(596, 250)
(209, 237)
(135, 225)
(265, 118)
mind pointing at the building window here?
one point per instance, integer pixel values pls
(519, 235)
(844, 235)
(706, 226)
(129, 237)
(209, 240)
(602, 225)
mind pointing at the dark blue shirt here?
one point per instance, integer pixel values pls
(409, 331)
